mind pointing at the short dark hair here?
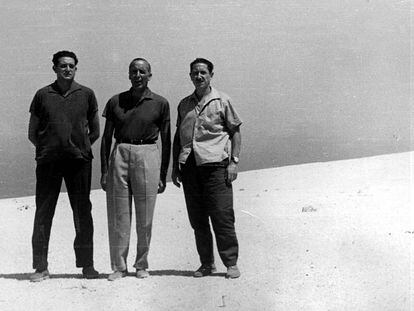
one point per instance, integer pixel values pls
(142, 60)
(63, 53)
(209, 64)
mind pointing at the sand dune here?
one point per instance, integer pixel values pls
(321, 236)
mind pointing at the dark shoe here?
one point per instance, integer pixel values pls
(232, 272)
(90, 273)
(205, 270)
(117, 275)
(39, 276)
(142, 273)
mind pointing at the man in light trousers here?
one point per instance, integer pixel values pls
(134, 169)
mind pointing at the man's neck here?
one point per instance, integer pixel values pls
(64, 85)
(138, 92)
(200, 93)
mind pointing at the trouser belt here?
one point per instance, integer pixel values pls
(136, 141)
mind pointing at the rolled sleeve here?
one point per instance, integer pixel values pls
(232, 119)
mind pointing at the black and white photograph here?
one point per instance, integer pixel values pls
(206, 155)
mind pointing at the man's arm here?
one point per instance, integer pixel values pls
(33, 128)
(235, 152)
(106, 143)
(165, 134)
(94, 128)
(176, 174)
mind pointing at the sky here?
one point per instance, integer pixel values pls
(312, 80)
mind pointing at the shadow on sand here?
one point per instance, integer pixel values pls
(186, 273)
(26, 276)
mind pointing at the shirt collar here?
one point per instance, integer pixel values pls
(147, 93)
(214, 94)
(54, 88)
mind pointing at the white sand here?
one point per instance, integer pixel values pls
(321, 236)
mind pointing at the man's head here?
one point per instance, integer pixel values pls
(60, 54)
(139, 73)
(209, 64)
(64, 65)
(201, 73)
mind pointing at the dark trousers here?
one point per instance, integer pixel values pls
(209, 197)
(77, 176)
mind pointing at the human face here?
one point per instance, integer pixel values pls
(201, 76)
(65, 69)
(139, 74)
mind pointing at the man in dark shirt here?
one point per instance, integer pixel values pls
(135, 119)
(64, 123)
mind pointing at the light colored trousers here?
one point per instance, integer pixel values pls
(134, 171)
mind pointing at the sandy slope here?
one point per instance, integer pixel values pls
(321, 236)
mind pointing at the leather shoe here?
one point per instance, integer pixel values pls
(117, 275)
(90, 272)
(39, 276)
(142, 273)
(233, 272)
(205, 270)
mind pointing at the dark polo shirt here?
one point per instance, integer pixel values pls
(141, 120)
(64, 122)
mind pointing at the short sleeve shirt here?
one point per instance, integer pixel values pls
(63, 131)
(205, 127)
(140, 120)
